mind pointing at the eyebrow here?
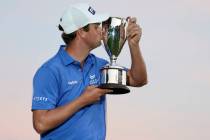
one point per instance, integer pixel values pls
(97, 23)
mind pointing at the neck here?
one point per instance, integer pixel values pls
(78, 50)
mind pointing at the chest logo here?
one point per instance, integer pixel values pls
(93, 80)
(72, 82)
(92, 76)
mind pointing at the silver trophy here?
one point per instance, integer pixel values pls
(113, 76)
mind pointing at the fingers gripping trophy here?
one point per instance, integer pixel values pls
(114, 38)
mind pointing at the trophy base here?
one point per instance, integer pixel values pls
(117, 88)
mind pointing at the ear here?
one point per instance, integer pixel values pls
(81, 33)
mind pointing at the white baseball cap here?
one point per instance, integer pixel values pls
(79, 15)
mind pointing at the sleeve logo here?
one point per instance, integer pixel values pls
(37, 98)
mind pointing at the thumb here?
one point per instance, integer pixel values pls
(108, 90)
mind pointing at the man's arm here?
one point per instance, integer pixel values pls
(45, 120)
(137, 75)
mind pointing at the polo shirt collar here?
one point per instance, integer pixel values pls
(68, 59)
(65, 57)
(89, 59)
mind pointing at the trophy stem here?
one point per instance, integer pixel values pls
(113, 60)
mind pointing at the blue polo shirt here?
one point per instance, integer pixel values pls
(61, 80)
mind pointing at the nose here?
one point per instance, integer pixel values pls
(100, 29)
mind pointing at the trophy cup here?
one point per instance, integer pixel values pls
(113, 76)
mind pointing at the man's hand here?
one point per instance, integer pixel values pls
(137, 75)
(92, 94)
(134, 32)
(45, 120)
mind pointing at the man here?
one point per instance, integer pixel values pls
(66, 104)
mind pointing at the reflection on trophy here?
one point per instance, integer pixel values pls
(114, 37)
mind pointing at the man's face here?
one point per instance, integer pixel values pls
(94, 35)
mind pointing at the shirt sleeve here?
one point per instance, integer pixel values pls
(45, 90)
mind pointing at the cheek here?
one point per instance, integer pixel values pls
(96, 36)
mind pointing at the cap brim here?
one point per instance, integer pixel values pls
(99, 18)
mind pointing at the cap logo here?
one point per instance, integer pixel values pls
(91, 10)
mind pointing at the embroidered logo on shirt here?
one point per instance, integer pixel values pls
(92, 76)
(93, 80)
(40, 98)
(72, 82)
